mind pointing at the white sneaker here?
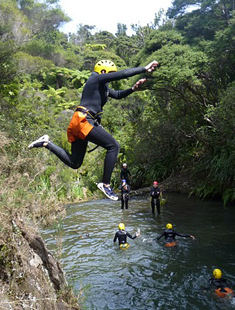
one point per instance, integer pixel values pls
(107, 191)
(42, 141)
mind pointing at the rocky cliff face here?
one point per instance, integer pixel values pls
(30, 276)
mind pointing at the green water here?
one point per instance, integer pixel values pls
(147, 275)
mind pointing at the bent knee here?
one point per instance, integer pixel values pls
(75, 165)
(117, 146)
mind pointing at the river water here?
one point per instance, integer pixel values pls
(147, 275)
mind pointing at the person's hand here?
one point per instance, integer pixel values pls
(137, 84)
(137, 233)
(151, 66)
(192, 237)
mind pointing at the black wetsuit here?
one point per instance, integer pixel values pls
(170, 234)
(220, 283)
(125, 173)
(155, 194)
(125, 191)
(122, 235)
(94, 97)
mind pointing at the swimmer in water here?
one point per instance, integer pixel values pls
(170, 234)
(122, 235)
(221, 285)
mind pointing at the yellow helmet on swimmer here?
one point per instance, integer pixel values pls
(169, 226)
(217, 273)
(121, 226)
(106, 65)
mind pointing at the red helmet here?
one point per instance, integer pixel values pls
(155, 183)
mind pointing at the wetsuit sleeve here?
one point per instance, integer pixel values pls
(182, 235)
(119, 75)
(158, 238)
(119, 94)
(115, 238)
(130, 236)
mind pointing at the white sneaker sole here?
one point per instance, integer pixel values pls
(43, 139)
(101, 187)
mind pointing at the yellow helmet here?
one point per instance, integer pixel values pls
(169, 226)
(217, 273)
(106, 65)
(121, 226)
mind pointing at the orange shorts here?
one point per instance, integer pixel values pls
(79, 127)
(225, 292)
(169, 244)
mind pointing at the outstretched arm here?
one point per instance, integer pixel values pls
(114, 76)
(123, 74)
(184, 235)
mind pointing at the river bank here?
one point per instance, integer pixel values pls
(30, 275)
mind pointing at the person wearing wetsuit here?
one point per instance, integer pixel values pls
(125, 191)
(170, 234)
(221, 285)
(94, 96)
(155, 197)
(125, 173)
(122, 235)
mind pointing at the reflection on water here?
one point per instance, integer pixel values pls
(147, 275)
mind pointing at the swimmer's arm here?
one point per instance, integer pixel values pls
(115, 238)
(184, 235)
(158, 238)
(130, 236)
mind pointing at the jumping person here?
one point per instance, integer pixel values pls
(155, 197)
(170, 235)
(85, 123)
(122, 235)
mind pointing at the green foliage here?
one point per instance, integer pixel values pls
(104, 38)
(92, 57)
(221, 50)
(126, 48)
(219, 152)
(13, 33)
(158, 39)
(31, 64)
(204, 21)
(44, 18)
(63, 77)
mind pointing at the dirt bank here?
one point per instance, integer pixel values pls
(30, 276)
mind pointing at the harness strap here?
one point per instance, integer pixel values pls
(90, 113)
(94, 148)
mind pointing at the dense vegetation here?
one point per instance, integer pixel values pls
(182, 122)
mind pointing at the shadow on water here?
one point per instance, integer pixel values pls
(147, 275)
